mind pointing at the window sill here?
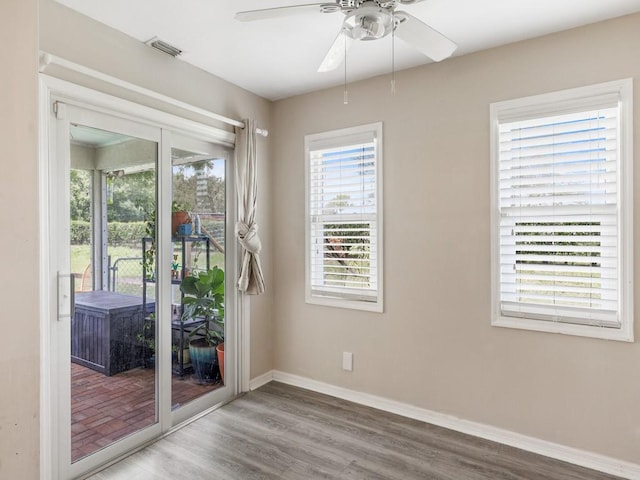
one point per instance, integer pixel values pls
(343, 303)
(604, 333)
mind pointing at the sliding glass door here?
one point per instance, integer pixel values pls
(200, 311)
(113, 383)
(142, 335)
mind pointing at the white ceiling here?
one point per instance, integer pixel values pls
(278, 58)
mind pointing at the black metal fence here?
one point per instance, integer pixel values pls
(125, 275)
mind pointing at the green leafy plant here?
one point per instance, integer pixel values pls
(204, 299)
(148, 261)
(149, 255)
(196, 249)
(147, 336)
(150, 218)
(177, 207)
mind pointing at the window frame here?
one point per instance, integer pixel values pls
(332, 137)
(547, 105)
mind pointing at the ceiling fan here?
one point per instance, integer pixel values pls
(366, 20)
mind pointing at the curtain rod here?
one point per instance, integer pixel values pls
(47, 59)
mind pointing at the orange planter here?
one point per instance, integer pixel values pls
(177, 219)
(220, 350)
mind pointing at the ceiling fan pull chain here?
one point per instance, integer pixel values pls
(393, 53)
(346, 94)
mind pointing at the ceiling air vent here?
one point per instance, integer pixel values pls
(158, 44)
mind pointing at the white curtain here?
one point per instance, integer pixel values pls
(251, 280)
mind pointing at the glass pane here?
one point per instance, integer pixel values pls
(198, 232)
(112, 198)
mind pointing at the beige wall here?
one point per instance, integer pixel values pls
(433, 347)
(19, 369)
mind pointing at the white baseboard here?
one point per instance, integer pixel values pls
(572, 455)
(260, 380)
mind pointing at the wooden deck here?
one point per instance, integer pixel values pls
(105, 409)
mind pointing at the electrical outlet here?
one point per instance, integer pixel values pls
(347, 361)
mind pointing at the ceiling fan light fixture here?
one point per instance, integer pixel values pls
(368, 23)
(372, 28)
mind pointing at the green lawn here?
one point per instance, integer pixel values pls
(129, 274)
(81, 254)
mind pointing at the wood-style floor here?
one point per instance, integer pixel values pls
(284, 432)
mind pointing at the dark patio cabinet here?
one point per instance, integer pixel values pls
(104, 331)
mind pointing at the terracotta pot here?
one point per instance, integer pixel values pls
(220, 350)
(177, 219)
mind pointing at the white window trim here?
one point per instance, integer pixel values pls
(547, 104)
(378, 305)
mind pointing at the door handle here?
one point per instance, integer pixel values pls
(66, 295)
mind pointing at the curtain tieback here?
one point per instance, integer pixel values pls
(248, 237)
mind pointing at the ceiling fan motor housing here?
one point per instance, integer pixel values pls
(368, 22)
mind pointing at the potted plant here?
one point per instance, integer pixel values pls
(204, 305)
(179, 216)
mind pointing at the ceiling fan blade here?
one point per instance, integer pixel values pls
(335, 55)
(423, 38)
(277, 12)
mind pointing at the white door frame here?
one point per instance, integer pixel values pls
(52, 89)
(59, 262)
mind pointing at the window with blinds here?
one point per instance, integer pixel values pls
(559, 199)
(343, 218)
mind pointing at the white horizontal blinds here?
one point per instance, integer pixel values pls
(558, 201)
(343, 223)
